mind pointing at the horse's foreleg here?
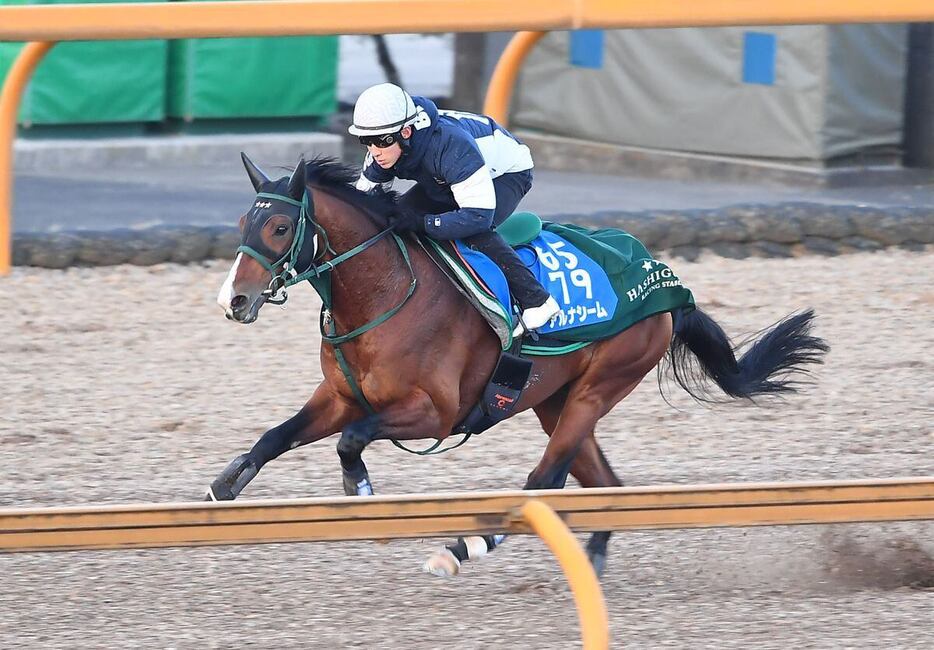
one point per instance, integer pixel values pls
(245, 467)
(354, 439)
(590, 468)
(323, 415)
(413, 418)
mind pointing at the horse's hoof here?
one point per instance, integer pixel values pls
(233, 479)
(442, 564)
(219, 492)
(355, 488)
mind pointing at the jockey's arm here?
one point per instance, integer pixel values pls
(372, 175)
(472, 186)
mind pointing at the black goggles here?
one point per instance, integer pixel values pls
(381, 141)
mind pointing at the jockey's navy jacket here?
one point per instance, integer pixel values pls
(454, 155)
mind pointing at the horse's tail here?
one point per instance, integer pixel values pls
(768, 366)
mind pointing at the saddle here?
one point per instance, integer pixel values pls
(478, 278)
(605, 281)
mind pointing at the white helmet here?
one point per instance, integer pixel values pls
(384, 108)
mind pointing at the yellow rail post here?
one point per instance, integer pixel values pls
(499, 92)
(10, 96)
(591, 609)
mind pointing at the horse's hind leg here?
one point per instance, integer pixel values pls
(618, 366)
(570, 416)
(591, 469)
(448, 560)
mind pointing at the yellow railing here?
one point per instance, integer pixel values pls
(499, 92)
(10, 97)
(295, 17)
(51, 23)
(549, 513)
(591, 608)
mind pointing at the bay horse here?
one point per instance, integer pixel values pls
(419, 374)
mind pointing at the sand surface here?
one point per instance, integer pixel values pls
(126, 384)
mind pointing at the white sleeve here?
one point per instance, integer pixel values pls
(476, 191)
(364, 184)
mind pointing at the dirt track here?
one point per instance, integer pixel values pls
(126, 384)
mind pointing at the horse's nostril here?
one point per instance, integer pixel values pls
(238, 302)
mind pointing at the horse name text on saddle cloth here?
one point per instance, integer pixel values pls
(579, 284)
(604, 280)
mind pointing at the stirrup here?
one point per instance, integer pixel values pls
(521, 330)
(534, 317)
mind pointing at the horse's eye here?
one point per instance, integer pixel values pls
(281, 230)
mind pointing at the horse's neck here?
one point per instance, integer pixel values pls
(371, 282)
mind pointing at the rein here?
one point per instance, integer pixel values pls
(318, 275)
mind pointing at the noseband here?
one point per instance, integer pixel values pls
(314, 272)
(289, 273)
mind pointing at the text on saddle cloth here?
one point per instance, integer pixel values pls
(579, 284)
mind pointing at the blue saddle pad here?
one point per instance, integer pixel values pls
(488, 272)
(579, 284)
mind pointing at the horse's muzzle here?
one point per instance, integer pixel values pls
(243, 310)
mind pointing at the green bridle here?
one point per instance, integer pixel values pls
(318, 275)
(287, 276)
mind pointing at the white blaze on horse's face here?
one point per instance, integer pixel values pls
(226, 294)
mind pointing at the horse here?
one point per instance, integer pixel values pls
(419, 375)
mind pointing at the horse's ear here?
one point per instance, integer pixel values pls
(257, 177)
(297, 181)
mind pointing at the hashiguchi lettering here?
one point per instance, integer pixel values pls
(660, 279)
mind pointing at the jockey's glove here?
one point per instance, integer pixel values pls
(407, 220)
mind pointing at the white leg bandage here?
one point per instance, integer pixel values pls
(476, 547)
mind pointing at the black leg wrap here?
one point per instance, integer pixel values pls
(459, 550)
(232, 480)
(596, 551)
(350, 447)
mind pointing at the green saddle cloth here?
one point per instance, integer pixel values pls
(643, 285)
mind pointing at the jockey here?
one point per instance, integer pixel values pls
(470, 175)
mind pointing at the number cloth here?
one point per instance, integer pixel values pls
(605, 281)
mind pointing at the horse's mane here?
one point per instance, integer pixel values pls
(338, 179)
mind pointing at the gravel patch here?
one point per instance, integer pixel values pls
(125, 384)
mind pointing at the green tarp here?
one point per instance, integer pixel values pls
(92, 82)
(253, 77)
(147, 81)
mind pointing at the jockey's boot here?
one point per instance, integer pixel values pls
(534, 317)
(536, 304)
